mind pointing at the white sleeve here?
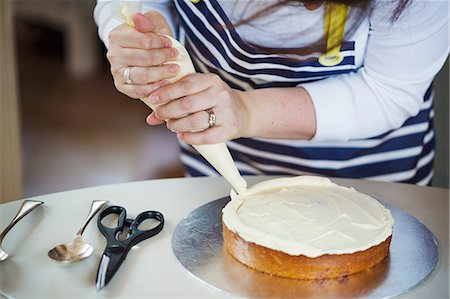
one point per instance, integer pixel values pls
(106, 19)
(400, 63)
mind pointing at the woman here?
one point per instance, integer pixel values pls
(339, 88)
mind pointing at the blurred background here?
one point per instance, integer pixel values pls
(74, 130)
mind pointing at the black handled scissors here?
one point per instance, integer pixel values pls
(117, 249)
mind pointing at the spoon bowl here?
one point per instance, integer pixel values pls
(3, 255)
(72, 251)
(77, 249)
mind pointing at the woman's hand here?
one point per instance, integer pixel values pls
(183, 106)
(144, 49)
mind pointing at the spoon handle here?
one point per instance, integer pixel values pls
(95, 207)
(26, 207)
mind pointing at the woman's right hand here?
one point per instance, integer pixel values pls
(145, 50)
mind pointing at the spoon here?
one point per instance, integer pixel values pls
(77, 249)
(26, 207)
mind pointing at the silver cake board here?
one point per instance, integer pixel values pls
(197, 243)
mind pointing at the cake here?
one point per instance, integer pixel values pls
(306, 227)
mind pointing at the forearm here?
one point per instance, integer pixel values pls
(281, 113)
(399, 66)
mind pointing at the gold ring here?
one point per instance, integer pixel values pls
(212, 117)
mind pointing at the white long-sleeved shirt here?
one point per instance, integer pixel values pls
(396, 61)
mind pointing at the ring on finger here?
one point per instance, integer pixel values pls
(211, 117)
(126, 75)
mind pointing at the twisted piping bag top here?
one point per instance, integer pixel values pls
(217, 154)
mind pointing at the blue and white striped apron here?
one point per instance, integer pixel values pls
(402, 155)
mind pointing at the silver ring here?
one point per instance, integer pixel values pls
(126, 75)
(212, 117)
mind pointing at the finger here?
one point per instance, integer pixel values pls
(151, 22)
(186, 105)
(188, 85)
(143, 23)
(139, 57)
(212, 135)
(153, 120)
(146, 75)
(139, 91)
(194, 122)
(146, 41)
(128, 37)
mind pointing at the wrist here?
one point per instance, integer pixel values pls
(246, 119)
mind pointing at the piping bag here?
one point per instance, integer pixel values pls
(217, 154)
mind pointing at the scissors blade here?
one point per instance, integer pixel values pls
(101, 280)
(109, 264)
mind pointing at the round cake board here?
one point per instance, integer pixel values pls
(198, 245)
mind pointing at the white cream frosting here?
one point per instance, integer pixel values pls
(309, 216)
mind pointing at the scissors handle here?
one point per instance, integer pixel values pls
(111, 232)
(136, 235)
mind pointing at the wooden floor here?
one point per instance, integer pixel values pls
(82, 132)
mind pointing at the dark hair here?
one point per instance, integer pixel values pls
(359, 10)
(401, 5)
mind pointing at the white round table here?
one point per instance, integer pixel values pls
(151, 270)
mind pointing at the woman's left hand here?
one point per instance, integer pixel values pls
(183, 106)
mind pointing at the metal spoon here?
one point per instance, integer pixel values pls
(26, 207)
(77, 249)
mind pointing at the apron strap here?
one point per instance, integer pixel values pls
(336, 16)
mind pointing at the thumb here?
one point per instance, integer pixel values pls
(151, 22)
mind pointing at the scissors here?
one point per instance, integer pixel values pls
(116, 248)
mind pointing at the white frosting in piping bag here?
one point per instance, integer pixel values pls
(217, 154)
(308, 216)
